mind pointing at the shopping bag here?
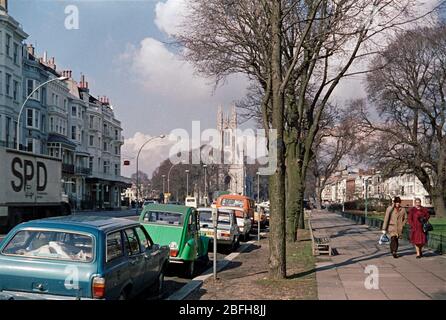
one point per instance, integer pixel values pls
(384, 239)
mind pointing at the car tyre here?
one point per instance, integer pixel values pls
(190, 269)
(159, 284)
(123, 296)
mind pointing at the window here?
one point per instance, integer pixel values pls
(91, 141)
(144, 240)
(8, 45)
(31, 85)
(73, 132)
(43, 123)
(114, 246)
(32, 118)
(105, 146)
(116, 170)
(73, 111)
(106, 166)
(56, 245)
(8, 84)
(30, 145)
(116, 135)
(16, 53)
(116, 150)
(51, 124)
(91, 122)
(65, 105)
(16, 90)
(164, 218)
(132, 242)
(90, 163)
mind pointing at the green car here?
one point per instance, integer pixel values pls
(179, 228)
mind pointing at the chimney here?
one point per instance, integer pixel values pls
(45, 57)
(4, 5)
(31, 50)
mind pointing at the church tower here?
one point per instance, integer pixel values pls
(233, 170)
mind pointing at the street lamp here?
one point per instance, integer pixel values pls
(137, 167)
(168, 177)
(258, 205)
(26, 100)
(164, 183)
(187, 183)
(205, 184)
(366, 196)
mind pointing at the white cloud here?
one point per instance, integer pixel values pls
(170, 15)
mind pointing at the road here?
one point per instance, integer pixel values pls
(173, 282)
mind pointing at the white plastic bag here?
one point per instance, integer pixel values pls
(384, 239)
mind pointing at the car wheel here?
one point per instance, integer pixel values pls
(122, 296)
(159, 285)
(190, 269)
(246, 237)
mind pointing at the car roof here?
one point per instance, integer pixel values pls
(231, 208)
(234, 196)
(173, 208)
(81, 223)
(224, 210)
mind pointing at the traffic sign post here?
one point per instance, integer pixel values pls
(215, 223)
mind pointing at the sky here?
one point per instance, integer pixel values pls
(125, 50)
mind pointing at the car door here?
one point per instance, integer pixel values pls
(152, 256)
(137, 261)
(116, 270)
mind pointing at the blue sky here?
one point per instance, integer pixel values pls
(107, 30)
(126, 55)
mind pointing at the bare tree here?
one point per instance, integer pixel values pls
(409, 92)
(334, 143)
(295, 52)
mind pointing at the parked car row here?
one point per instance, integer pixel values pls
(88, 257)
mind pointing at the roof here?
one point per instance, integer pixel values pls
(81, 222)
(234, 196)
(57, 138)
(167, 208)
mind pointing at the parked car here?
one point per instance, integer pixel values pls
(241, 202)
(263, 217)
(228, 233)
(243, 221)
(80, 257)
(191, 202)
(149, 202)
(179, 228)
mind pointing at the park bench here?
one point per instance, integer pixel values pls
(320, 241)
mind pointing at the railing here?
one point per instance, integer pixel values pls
(68, 168)
(82, 170)
(436, 242)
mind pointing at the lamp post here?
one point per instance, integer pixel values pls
(168, 177)
(366, 196)
(26, 100)
(164, 183)
(187, 183)
(137, 167)
(205, 185)
(258, 205)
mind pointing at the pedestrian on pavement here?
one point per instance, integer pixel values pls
(418, 215)
(394, 221)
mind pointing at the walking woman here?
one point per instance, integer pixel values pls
(394, 221)
(417, 216)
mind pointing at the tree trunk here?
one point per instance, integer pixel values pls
(292, 203)
(439, 205)
(277, 240)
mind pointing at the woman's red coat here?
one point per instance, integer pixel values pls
(417, 236)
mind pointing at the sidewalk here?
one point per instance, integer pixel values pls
(245, 278)
(343, 275)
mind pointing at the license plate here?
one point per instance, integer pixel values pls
(210, 233)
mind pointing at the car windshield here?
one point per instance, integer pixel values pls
(232, 203)
(223, 217)
(160, 217)
(57, 245)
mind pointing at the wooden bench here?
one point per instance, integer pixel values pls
(320, 241)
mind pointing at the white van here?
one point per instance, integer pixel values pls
(191, 202)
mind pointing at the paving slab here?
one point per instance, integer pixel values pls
(343, 276)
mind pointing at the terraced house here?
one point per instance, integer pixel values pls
(60, 119)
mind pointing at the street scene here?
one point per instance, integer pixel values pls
(216, 150)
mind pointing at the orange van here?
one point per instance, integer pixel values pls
(237, 201)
